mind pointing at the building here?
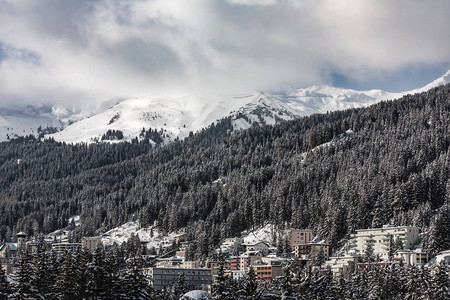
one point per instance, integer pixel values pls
(262, 247)
(92, 243)
(341, 265)
(300, 236)
(163, 278)
(214, 265)
(414, 258)
(231, 245)
(169, 262)
(190, 264)
(21, 241)
(236, 274)
(244, 261)
(8, 250)
(311, 250)
(381, 237)
(266, 272)
(63, 247)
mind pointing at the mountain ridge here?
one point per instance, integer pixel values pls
(176, 117)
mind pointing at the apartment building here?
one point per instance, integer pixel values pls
(265, 272)
(161, 278)
(300, 236)
(381, 236)
(244, 261)
(92, 243)
(311, 250)
(231, 245)
(341, 265)
(63, 247)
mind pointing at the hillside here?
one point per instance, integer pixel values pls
(393, 169)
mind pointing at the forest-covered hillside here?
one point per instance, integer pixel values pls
(393, 167)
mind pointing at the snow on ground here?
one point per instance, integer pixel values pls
(263, 234)
(122, 233)
(62, 234)
(444, 257)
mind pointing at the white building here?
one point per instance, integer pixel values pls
(341, 265)
(262, 247)
(414, 258)
(407, 234)
(231, 245)
(162, 278)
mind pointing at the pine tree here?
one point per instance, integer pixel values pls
(135, 284)
(250, 286)
(440, 284)
(391, 250)
(438, 237)
(286, 290)
(5, 288)
(42, 271)
(220, 288)
(23, 288)
(369, 251)
(65, 287)
(97, 277)
(180, 287)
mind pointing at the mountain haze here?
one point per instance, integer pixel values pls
(176, 117)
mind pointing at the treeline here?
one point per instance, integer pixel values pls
(115, 275)
(373, 282)
(393, 168)
(79, 275)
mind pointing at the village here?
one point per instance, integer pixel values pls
(255, 250)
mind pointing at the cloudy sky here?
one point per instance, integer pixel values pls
(83, 51)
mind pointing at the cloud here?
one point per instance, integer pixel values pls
(79, 52)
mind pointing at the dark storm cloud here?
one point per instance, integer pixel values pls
(97, 50)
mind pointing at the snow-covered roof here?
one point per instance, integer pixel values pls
(21, 234)
(11, 246)
(196, 294)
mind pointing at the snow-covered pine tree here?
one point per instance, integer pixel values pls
(5, 288)
(249, 288)
(180, 287)
(438, 237)
(23, 287)
(369, 256)
(65, 287)
(135, 284)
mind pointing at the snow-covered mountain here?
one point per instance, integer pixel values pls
(177, 116)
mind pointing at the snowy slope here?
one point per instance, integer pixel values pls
(177, 116)
(21, 121)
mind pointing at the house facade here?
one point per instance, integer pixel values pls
(300, 236)
(162, 278)
(381, 237)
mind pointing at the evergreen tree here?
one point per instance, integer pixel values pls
(97, 277)
(220, 289)
(249, 288)
(438, 237)
(66, 287)
(5, 288)
(285, 286)
(440, 283)
(391, 250)
(134, 281)
(369, 251)
(23, 288)
(180, 288)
